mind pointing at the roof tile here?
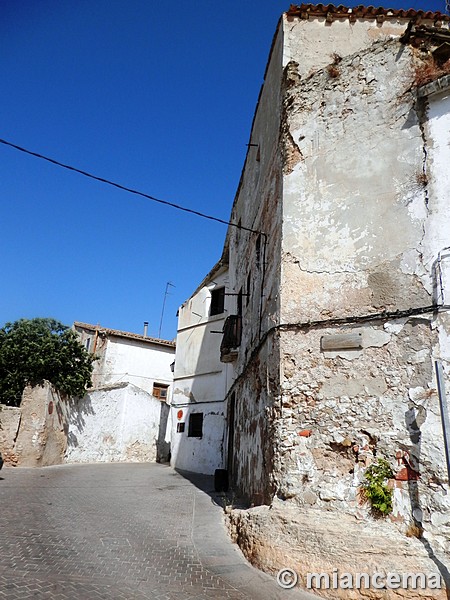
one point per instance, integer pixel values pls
(124, 334)
(304, 11)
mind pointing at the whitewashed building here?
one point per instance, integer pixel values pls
(201, 380)
(129, 357)
(124, 416)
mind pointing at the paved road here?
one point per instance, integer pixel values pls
(118, 532)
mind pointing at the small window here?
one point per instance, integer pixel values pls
(87, 343)
(217, 301)
(232, 333)
(180, 427)
(195, 425)
(160, 391)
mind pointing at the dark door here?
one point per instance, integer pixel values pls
(230, 450)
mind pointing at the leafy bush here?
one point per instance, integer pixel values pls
(375, 489)
(35, 350)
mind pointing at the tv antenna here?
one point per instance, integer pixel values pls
(166, 293)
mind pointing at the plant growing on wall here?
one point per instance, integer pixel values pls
(35, 350)
(375, 489)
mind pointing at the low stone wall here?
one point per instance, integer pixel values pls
(9, 428)
(35, 435)
(117, 423)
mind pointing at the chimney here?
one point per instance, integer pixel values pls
(145, 328)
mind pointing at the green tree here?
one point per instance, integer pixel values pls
(35, 350)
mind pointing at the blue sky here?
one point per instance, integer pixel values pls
(158, 96)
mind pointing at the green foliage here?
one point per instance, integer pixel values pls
(375, 489)
(35, 350)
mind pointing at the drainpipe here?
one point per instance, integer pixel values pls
(444, 412)
(439, 273)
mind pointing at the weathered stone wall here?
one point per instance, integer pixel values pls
(254, 269)
(254, 439)
(340, 410)
(115, 423)
(354, 203)
(9, 428)
(35, 435)
(356, 207)
(362, 209)
(313, 40)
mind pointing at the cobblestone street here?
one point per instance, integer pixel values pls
(118, 531)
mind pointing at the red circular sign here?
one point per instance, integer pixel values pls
(179, 414)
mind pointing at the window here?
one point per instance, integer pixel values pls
(217, 301)
(160, 391)
(195, 425)
(180, 427)
(232, 332)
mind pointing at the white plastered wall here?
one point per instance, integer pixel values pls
(200, 381)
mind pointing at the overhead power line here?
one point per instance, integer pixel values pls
(125, 188)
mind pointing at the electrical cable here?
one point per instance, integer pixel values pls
(125, 188)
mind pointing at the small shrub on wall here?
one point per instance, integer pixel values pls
(375, 489)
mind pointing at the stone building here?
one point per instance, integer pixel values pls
(338, 256)
(345, 188)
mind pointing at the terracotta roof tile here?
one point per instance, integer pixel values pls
(304, 11)
(123, 334)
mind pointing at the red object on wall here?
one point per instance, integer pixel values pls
(407, 474)
(179, 414)
(305, 432)
(50, 407)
